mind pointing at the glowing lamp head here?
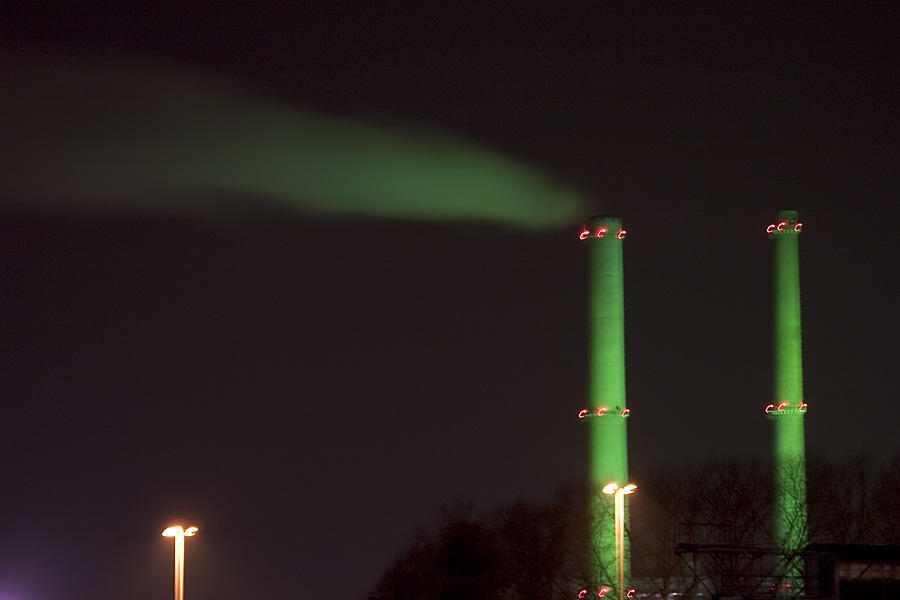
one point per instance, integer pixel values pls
(178, 530)
(612, 488)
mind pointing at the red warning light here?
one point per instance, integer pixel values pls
(797, 227)
(601, 593)
(586, 233)
(602, 412)
(785, 408)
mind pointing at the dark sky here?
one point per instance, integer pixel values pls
(308, 388)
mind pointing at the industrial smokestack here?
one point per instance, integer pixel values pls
(607, 413)
(788, 408)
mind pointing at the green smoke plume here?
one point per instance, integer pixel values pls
(87, 134)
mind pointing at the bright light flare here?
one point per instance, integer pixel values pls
(173, 531)
(612, 488)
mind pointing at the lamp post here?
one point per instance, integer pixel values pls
(179, 534)
(619, 492)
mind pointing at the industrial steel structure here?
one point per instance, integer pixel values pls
(607, 413)
(788, 409)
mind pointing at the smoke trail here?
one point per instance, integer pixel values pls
(100, 135)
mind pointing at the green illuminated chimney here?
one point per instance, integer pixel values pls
(607, 414)
(788, 409)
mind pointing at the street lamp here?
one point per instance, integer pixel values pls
(619, 492)
(179, 534)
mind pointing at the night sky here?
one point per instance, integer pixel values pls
(196, 327)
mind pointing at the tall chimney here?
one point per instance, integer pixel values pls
(788, 409)
(607, 413)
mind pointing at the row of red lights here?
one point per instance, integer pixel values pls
(601, 233)
(601, 593)
(602, 411)
(786, 406)
(780, 227)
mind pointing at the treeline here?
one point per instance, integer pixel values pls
(523, 551)
(529, 551)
